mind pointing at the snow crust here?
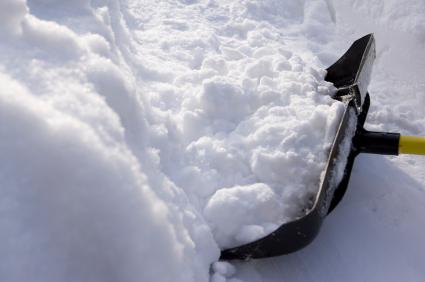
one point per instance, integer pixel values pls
(139, 137)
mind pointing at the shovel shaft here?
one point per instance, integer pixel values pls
(381, 143)
(385, 143)
(411, 145)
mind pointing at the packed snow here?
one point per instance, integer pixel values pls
(140, 137)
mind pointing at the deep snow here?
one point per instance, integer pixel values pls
(120, 161)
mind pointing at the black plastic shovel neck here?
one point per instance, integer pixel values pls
(371, 142)
(364, 141)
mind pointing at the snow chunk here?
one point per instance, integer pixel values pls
(224, 268)
(223, 99)
(230, 210)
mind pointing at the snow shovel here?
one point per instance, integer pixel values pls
(350, 75)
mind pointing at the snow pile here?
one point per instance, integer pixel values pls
(77, 203)
(138, 137)
(246, 117)
(75, 208)
(285, 149)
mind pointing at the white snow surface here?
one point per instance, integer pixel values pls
(139, 137)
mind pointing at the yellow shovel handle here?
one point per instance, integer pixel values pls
(411, 145)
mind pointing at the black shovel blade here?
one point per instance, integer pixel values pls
(350, 74)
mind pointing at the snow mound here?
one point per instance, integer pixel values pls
(243, 107)
(82, 198)
(73, 206)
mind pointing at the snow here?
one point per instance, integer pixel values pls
(139, 137)
(77, 178)
(73, 205)
(241, 209)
